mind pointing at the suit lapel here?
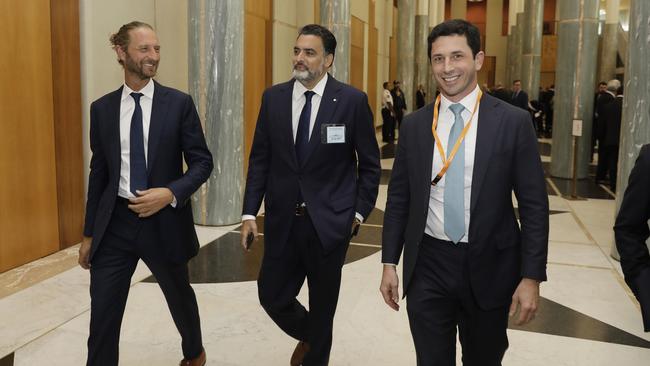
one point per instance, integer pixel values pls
(285, 121)
(113, 128)
(425, 146)
(157, 123)
(489, 123)
(326, 110)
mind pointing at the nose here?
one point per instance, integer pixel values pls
(448, 65)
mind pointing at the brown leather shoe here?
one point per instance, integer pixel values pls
(299, 353)
(198, 361)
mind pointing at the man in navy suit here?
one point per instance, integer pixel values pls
(632, 232)
(519, 97)
(315, 162)
(139, 197)
(468, 263)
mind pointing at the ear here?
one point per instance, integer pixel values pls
(478, 60)
(121, 54)
(329, 60)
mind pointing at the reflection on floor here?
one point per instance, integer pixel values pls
(587, 315)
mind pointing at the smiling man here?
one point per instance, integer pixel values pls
(315, 162)
(139, 196)
(468, 263)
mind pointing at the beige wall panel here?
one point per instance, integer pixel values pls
(285, 11)
(171, 26)
(359, 9)
(284, 38)
(373, 85)
(305, 13)
(458, 9)
(356, 32)
(357, 63)
(29, 217)
(259, 8)
(496, 44)
(549, 53)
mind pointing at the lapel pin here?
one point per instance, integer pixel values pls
(334, 100)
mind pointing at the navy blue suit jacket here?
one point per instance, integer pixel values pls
(174, 132)
(632, 231)
(501, 251)
(335, 180)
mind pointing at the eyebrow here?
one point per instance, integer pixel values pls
(304, 49)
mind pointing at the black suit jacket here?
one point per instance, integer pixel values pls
(174, 132)
(501, 251)
(521, 100)
(631, 231)
(609, 119)
(335, 179)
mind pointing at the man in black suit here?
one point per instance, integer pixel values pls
(519, 97)
(399, 103)
(500, 92)
(600, 97)
(632, 232)
(315, 161)
(610, 118)
(604, 114)
(139, 197)
(468, 263)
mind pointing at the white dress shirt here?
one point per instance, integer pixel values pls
(127, 107)
(387, 97)
(435, 218)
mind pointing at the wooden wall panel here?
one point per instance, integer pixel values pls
(392, 52)
(258, 67)
(373, 55)
(28, 196)
(357, 62)
(66, 83)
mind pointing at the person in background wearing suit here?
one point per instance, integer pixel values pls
(500, 93)
(596, 129)
(610, 118)
(602, 117)
(138, 203)
(315, 162)
(387, 116)
(468, 263)
(420, 95)
(399, 103)
(632, 232)
(519, 97)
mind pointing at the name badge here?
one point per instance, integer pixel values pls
(333, 134)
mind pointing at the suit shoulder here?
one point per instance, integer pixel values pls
(509, 111)
(351, 91)
(106, 98)
(422, 115)
(172, 92)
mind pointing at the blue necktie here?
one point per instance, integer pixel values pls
(138, 163)
(454, 198)
(302, 136)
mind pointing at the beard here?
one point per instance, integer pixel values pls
(308, 75)
(139, 69)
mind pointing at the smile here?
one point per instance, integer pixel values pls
(451, 78)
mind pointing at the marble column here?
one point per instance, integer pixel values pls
(335, 15)
(421, 59)
(518, 38)
(406, 49)
(216, 83)
(635, 123)
(532, 47)
(608, 49)
(577, 50)
(436, 16)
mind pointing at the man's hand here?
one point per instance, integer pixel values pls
(389, 287)
(354, 230)
(151, 201)
(84, 252)
(526, 298)
(248, 226)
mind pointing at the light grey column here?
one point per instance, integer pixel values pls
(577, 50)
(532, 47)
(216, 82)
(510, 57)
(406, 49)
(635, 123)
(421, 58)
(609, 47)
(335, 15)
(518, 40)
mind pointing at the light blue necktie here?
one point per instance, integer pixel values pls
(454, 198)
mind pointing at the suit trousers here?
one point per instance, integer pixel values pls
(388, 126)
(440, 300)
(128, 239)
(281, 278)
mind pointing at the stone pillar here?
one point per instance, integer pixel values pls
(406, 49)
(436, 16)
(518, 38)
(532, 47)
(608, 49)
(577, 50)
(421, 59)
(335, 15)
(216, 83)
(635, 123)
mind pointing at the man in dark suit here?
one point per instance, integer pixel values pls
(468, 264)
(600, 97)
(399, 102)
(632, 232)
(610, 118)
(315, 161)
(603, 115)
(519, 97)
(139, 197)
(500, 93)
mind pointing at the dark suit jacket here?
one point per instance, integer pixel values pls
(175, 132)
(631, 231)
(332, 184)
(501, 251)
(605, 113)
(610, 118)
(521, 100)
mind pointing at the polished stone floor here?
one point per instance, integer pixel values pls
(587, 314)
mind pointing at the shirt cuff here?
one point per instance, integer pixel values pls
(390, 264)
(247, 217)
(174, 202)
(358, 216)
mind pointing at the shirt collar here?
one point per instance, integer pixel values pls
(147, 91)
(299, 89)
(468, 102)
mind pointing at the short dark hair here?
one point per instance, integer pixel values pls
(602, 83)
(458, 27)
(122, 39)
(516, 80)
(385, 84)
(329, 41)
